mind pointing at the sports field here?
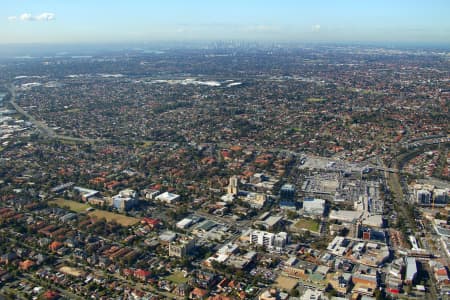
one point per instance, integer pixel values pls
(177, 277)
(99, 214)
(110, 216)
(72, 205)
(308, 224)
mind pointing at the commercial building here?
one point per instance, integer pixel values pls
(287, 192)
(440, 196)
(233, 186)
(269, 240)
(411, 270)
(428, 194)
(167, 237)
(347, 216)
(287, 197)
(125, 200)
(86, 194)
(341, 282)
(313, 206)
(185, 223)
(168, 198)
(374, 221)
(150, 194)
(423, 197)
(99, 201)
(182, 247)
(255, 200)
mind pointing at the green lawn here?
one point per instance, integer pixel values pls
(110, 216)
(177, 277)
(73, 205)
(308, 224)
(313, 100)
(99, 214)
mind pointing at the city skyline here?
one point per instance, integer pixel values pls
(51, 21)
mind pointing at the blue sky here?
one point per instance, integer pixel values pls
(75, 21)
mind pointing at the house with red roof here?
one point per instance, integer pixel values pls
(198, 293)
(152, 223)
(55, 245)
(142, 275)
(50, 295)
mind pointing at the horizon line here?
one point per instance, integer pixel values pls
(229, 41)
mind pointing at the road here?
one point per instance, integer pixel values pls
(133, 283)
(70, 295)
(50, 133)
(40, 125)
(53, 286)
(402, 209)
(43, 128)
(432, 283)
(31, 277)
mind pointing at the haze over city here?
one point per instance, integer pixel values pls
(85, 21)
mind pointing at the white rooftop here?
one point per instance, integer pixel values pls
(167, 197)
(345, 215)
(374, 221)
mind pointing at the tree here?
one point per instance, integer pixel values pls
(331, 292)
(379, 294)
(294, 293)
(408, 289)
(291, 214)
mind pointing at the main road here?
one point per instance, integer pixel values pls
(50, 133)
(43, 128)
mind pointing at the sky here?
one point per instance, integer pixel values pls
(116, 21)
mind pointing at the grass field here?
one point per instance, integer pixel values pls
(73, 205)
(308, 224)
(177, 277)
(110, 216)
(314, 100)
(147, 144)
(286, 283)
(72, 271)
(73, 110)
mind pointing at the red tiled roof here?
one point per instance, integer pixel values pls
(51, 295)
(199, 292)
(142, 274)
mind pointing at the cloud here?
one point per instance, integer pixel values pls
(26, 17)
(46, 16)
(315, 28)
(181, 30)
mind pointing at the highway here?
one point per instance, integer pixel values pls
(40, 125)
